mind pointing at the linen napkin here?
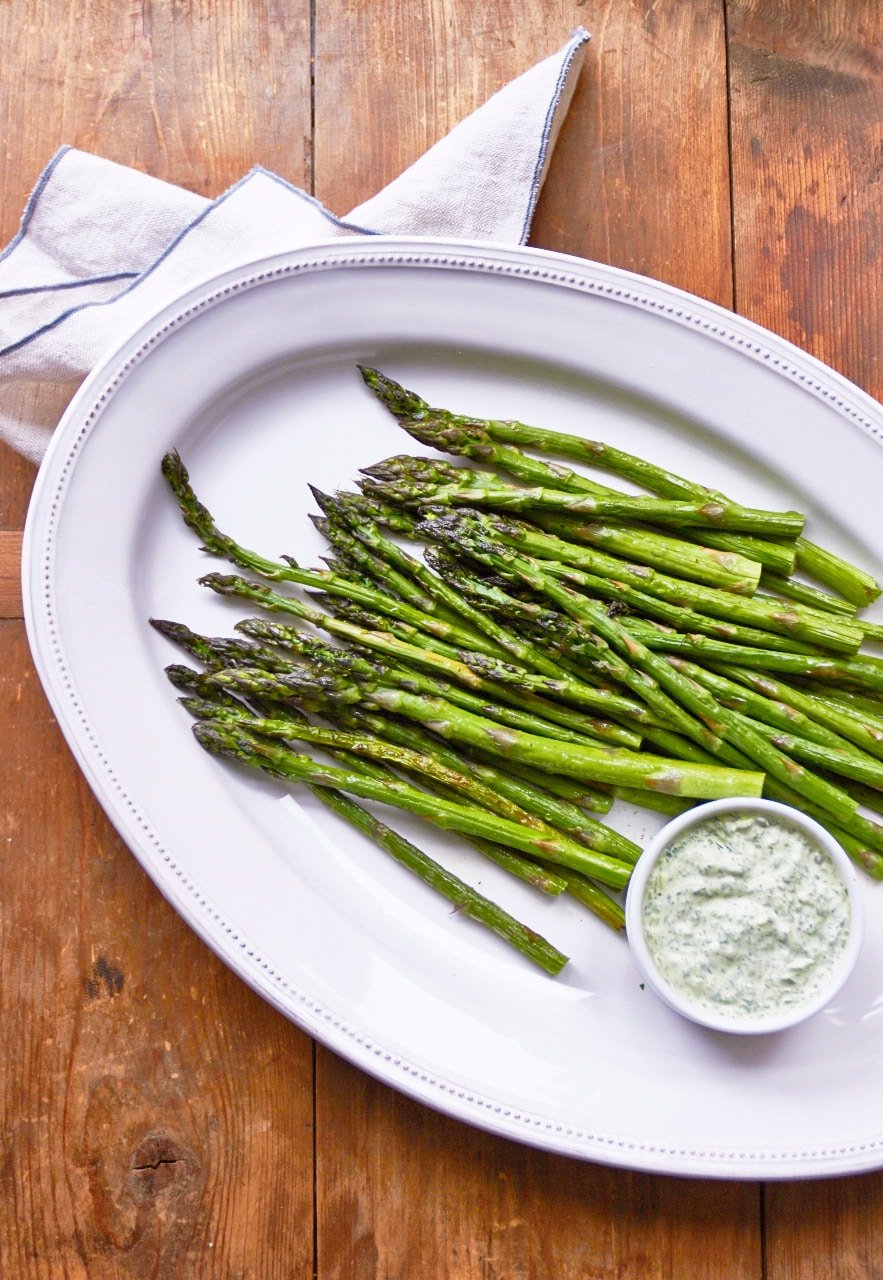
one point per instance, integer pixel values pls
(101, 246)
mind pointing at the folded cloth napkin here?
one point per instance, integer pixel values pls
(101, 247)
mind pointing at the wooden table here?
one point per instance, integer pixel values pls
(157, 1118)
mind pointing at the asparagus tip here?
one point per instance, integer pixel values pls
(324, 500)
(172, 630)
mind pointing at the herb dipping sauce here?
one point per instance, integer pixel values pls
(745, 915)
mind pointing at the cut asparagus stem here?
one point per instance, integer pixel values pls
(832, 760)
(832, 571)
(594, 897)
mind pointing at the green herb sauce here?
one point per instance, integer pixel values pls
(746, 915)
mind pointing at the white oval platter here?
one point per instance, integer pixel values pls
(253, 377)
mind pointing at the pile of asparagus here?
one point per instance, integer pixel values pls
(561, 644)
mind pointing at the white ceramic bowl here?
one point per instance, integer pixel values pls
(682, 1002)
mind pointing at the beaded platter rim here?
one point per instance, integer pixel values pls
(239, 951)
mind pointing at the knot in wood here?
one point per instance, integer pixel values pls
(157, 1161)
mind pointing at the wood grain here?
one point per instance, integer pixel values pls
(155, 1115)
(406, 1192)
(387, 90)
(640, 177)
(10, 577)
(825, 1230)
(807, 111)
(807, 108)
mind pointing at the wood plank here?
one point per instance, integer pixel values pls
(192, 93)
(807, 103)
(404, 1191)
(10, 576)
(387, 90)
(807, 95)
(639, 179)
(826, 1230)
(156, 1116)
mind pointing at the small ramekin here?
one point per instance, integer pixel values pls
(777, 1021)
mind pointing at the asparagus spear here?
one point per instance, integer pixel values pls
(467, 819)
(540, 874)
(497, 795)
(468, 900)
(587, 651)
(552, 810)
(832, 760)
(425, 659)
(657, 511)
(594, 801)
(775, 712)
(861, 733)
(831, 570)
(408, 479)
(469, 437)
(212, 707)
(360, 617)
(473, 904)
(828, 630)
(378, 571)
(416, 681)
(678, 616)
(803, 593)
(576, 692)
(617, 768)
(860, 672)
(858, 703)
(476, 619)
